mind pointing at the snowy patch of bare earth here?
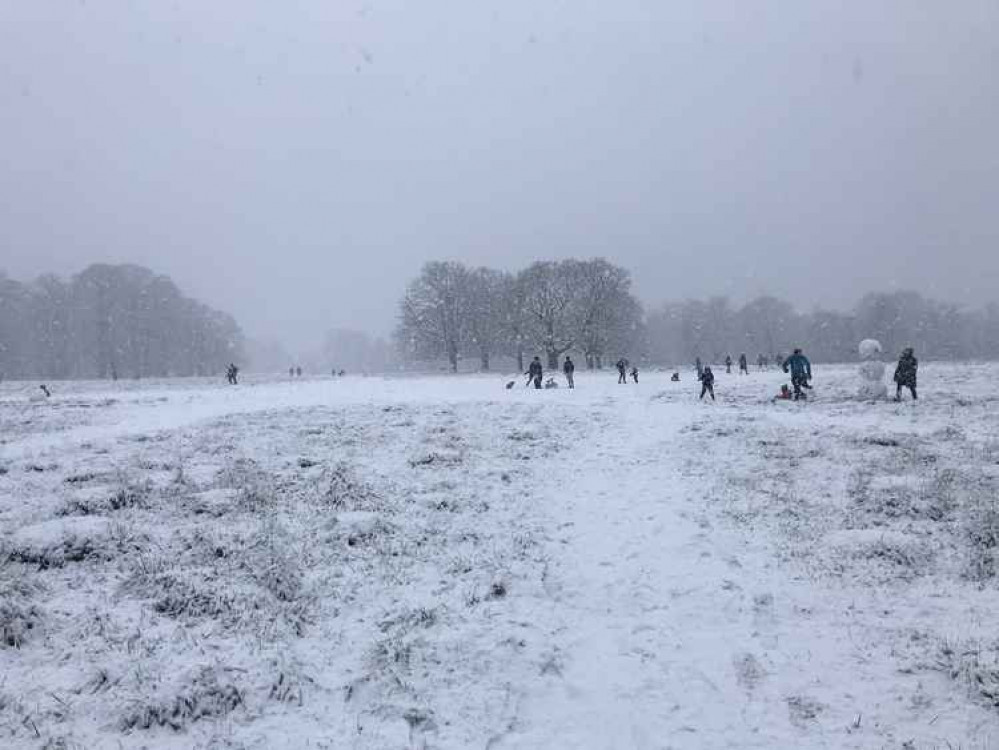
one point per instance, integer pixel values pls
(441, 563)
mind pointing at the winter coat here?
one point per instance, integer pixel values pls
(569, 367)
(621, 365)
(799, 365)
(905, 372)
(535, 369)
(708, 378)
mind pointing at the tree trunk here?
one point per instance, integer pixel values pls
(589, 362)
(452, 357)
(552, 359)
(520, 360)
(600, 362)
(485, 360)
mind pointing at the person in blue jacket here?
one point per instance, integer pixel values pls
(801, 372)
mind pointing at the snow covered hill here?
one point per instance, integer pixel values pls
(444, 563)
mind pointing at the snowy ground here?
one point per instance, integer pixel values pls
(442, 563)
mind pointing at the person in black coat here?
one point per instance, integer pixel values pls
(622, 370)
(569, 368)
(534, 372)
(708, 383)
(905, 373)
(743, 365)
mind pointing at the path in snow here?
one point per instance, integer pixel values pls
(678, 630)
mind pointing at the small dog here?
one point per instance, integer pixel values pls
(511, 384)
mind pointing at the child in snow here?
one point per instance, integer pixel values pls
(675, 377)
(905, 373)
(708, 383)
(784, 395)
(634, 374)
(569, 369)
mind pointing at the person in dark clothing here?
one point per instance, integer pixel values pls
(634, 374)
(675, 377)
(708, 383)
(569, 368)
(291, 372)
(905, 373)
(728, 363)
(298, 372)
(622, 368)
(535, 372)
(232, 374)
(743, 365)
(801, 372)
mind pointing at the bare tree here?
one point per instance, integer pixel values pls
(550, 301)
(485, 331)
(434, 315)
(607, 315)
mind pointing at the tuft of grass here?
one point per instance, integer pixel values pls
(208, 693)
(20, 616)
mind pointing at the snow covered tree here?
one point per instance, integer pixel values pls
(551, 303)
(486, 297)
(435, 313)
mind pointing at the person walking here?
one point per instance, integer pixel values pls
(535, 372)
(569, 368)
(905, 373)
(728, 364)
(743, 364)
(708, 383)
(801, 372)
(622, 369)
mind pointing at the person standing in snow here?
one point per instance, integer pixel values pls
(801, 372)
(535, 372)
(708, 383)
(743, 364)
(634, 374)
(905, 373)
(728, 364)
(622, 368)
(569, 368)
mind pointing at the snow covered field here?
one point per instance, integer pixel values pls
(442, 563)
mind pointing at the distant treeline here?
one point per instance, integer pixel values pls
(452, 313)
(111, 321)
(680, 331)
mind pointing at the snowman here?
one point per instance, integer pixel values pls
(872, 371)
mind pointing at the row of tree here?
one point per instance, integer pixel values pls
(111, 321)
(712, 329)
(452, 312)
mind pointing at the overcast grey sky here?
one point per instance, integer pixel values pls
(296, 162)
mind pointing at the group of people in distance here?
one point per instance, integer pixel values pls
(797, 366)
